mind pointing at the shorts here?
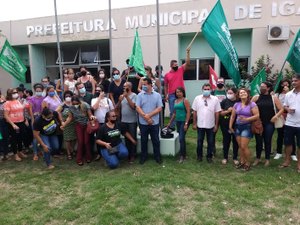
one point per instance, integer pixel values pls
(243, 130)
(289, 135)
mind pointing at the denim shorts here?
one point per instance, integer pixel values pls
(243, 130)
(289, 135)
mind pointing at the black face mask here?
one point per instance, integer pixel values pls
(263, 91)
(220, 85)
(175, 68)
(113, 121)
(97, 94)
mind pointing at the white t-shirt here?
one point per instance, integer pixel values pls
(206, 111)
(105, 105)
(292, 100)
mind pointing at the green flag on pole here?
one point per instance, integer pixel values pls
(255, 84)
(216, 32)
(136, 58)
(279, 78)
(11, 62)
(293, 56)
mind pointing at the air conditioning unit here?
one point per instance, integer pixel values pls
(278, 32)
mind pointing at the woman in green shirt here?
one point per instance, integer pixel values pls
(182, 113)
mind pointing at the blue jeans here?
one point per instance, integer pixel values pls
(153, 130)
(181, 132)
(171, 100)
(210, 142)
(113, 160)
(52, 144)
(266, 137)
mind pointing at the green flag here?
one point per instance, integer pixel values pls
(11, 62)
(136, 58)
(217, 34)
(279, 78)
(293, 56)
(255, 84)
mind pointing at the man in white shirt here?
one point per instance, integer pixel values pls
(206, 120)
(292, 123)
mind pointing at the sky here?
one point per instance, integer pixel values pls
(23, 9)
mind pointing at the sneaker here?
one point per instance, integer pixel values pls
(294, 158)
(224, 161)
(256, 162)
(181, 160)
(50, 167)
(236, 162)
(278, 156)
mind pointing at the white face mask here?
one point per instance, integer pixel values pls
(15, 96)
(230, 96)
(68, 99)
(76, 106)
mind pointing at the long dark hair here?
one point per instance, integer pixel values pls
(181, 89)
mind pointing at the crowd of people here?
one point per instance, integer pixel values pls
(58, 116)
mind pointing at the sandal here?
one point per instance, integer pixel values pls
(69, 157)
(246, 167)
(283, 166)
(239, 165)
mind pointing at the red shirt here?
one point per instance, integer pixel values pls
(174, 79)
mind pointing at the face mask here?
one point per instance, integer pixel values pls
(127, 89)
(230, 96)
(206, 93)
(97, 94)
(76, 106)
(145, 88)
(220, 85)
(82, 90)
(39, 93)
(15, 96)
(175, 68)
(113, 121)
(263, 91)
(51, 93)
(68, 99)
(45, 85)
(102, 75)
(116, 77)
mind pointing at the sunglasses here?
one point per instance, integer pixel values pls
(205, 102)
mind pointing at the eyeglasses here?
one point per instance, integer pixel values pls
(15, 92)
(113, 116)
(205, 102)
(116, 74)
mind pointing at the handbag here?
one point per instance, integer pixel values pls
(92, 126)
(279, 122)
(257, 127)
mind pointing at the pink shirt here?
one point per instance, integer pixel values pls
(15, 111)
(206, 112)
(174, 79)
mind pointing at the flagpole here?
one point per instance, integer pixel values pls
(190, 44)
(158, 57)
(110, 36)
(58, 48)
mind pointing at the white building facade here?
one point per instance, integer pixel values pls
(84, 38)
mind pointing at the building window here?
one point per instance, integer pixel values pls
(68, 56)
(243, 63)
(198, 69)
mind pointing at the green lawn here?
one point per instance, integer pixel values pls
(171, 193)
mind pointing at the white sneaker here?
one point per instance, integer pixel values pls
(278, 156)
(294, 158)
